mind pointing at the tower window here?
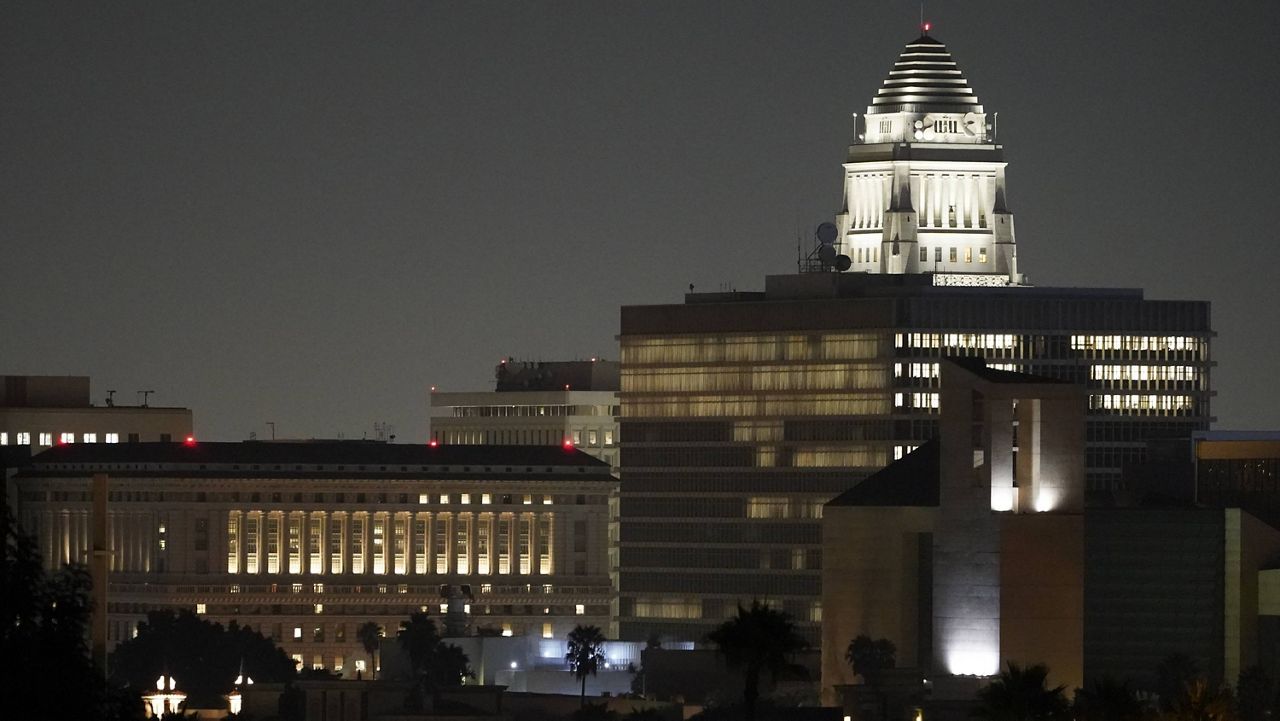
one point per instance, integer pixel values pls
(937, 255)
(886, 126)
(952, 256)
(924, 254)
(982, 255)
(968, 255)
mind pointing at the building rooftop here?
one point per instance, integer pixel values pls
(910, 481)
(583, 375)
(978, 367)
(349, 457)
(925, 78)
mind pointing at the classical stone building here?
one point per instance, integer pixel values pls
(307, 541)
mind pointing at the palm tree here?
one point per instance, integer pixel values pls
(438, 664)
(758, 639)
(370, 635)
(585, 654)
(1022, 694)
(1108, 700)
(870, 659)
(1201, 702)
(420, 638)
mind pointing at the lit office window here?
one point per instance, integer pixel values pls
(297, 632)
(4, 439)
(465, 499)
(89, 437)
(113, 438)
(201, 608)
(66, 438)
(24, 438)
(486, 499)
(46, 439)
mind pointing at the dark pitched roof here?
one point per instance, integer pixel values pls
(911, 481)
(354, 453)
(978, 367)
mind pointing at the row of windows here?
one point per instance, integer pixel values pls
(23, 438)
(1135, 342)
(593, 438)
(754, 348)
(784, 507)
(380, 543)
(504, 499)
(822, 377)
(1140, 402)
(955, 340)
(834, 404)
(765, 456)
(953, 254)
(522, 411)
(1143, 372)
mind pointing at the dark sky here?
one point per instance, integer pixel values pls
(308, 213)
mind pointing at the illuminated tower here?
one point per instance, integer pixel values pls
(924, 183)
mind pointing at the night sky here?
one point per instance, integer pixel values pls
(308, 213)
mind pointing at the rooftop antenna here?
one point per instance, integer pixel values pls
(144, 395)
(273, 429)
(111, 398)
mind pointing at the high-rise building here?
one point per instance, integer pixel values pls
(307, 541)
(744, 412)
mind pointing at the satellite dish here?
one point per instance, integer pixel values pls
(827, 255)
(843, 263)
(827, 233)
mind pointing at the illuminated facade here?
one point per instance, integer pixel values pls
(924, 182)
(977, 549)
(968, 552)
(742, 413)
(539, 404)
(307, 541)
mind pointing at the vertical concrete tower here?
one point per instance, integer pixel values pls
(924, 183)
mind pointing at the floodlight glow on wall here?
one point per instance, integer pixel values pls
(1002, 499)
(1046, 500)
(973, 662)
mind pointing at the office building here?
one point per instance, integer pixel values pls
(43, 411)
(744, 412)
(307, 541)
(536, 403)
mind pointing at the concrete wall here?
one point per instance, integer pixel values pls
(871, 577)
(1042, 594)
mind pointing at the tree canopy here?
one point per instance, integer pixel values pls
(435, 663)
(870, 658)
(44, 619)
(204, 657)
(757, 640)
(1021, 693)
(585, 654)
